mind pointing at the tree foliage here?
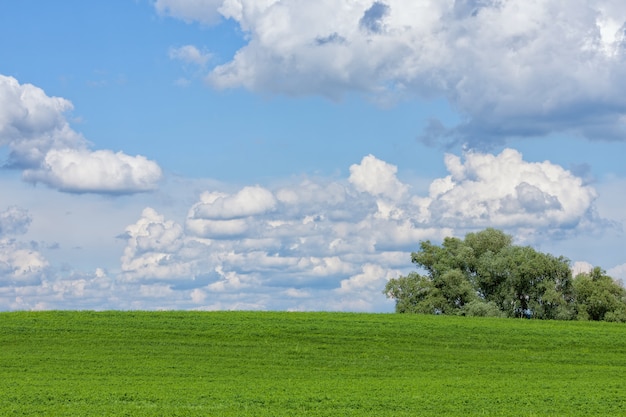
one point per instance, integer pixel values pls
(598, 297)
(486, 275)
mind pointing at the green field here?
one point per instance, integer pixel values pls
(313, 364)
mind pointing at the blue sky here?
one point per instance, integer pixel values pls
(228, 154)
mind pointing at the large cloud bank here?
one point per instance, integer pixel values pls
(512, 68)
(41, 142)
(322, 244)
(312, 244)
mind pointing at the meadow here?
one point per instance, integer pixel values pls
(307, 364)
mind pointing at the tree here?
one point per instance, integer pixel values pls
(485, 274)
(599, 297)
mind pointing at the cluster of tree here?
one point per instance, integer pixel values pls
(486, 275)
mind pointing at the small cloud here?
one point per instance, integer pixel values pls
(189, 54)
(377, 178)
(203, 11)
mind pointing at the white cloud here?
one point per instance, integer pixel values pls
(249, 201)
(19, 264)
(152, 250)
(514, 68)
(505, 191)
(80, 171)
(204, 11)
(189, 54)
(377, 178)
(41, 142)
(219, 215)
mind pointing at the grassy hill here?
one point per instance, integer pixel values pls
(313, 364)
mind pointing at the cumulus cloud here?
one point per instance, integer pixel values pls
(505, 191)
(19, 264)
(152, 249)
(512, 69)
(42, 143)
(81, 171)
(377, 178)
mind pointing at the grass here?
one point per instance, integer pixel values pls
(313, 364)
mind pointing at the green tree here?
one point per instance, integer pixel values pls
(485, 274)
(599, 297)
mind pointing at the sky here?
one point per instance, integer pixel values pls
(289, 154)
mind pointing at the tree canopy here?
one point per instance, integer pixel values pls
(485, 274)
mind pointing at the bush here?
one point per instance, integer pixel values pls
(618, 316)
